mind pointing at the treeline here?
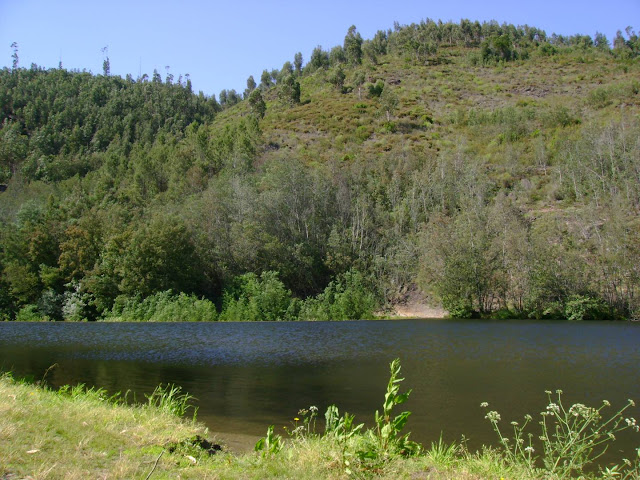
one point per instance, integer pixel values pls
(55, 123)
(140, 200)
(422, 43)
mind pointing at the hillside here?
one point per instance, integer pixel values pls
(489, 169)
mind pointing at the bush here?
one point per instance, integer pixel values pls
(29, 313)
(579, 307)
(346, 298)
(253, 298)
(163, 307)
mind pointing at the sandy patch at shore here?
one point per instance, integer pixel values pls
(418, 310)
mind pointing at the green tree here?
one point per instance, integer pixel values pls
(251, 86)
(289, 90)
(297, 63)
(14, 56)
(265, 80)
(388, 101)
(106, 64)
(160, 256)
(358, 81)
(319, 59)
(257, 104)
(337, 78)
(353, 46)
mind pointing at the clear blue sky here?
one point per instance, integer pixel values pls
(221, 43)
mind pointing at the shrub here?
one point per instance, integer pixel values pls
(570, 440)
(253, 298)
(164, 307)
(29, 313)
(346, 298)
(579, 307)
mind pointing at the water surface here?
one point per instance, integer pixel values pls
(246, 376)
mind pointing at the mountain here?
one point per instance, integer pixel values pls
(485, 168)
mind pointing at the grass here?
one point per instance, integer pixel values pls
(98, 436)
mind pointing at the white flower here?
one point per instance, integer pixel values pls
(529, 449)
(484, 405)
(552, 407)
(493, 416)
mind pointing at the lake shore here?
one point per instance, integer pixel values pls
(102, 437)
(97, 438)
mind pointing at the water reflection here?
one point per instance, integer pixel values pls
(249, 375)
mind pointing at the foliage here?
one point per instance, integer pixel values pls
(346, 298)
(29, 313)
(526, 201)
(570, 439)
(170, 399)
(256, 298)
(138, 440)
(164, 306)
(387, 436)
(580, 307)
(269, 445)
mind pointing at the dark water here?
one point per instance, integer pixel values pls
(249, 375)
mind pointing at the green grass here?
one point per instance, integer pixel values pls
(78, 432)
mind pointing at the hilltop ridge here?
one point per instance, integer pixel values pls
(489, 167)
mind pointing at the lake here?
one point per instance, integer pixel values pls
(247, 376)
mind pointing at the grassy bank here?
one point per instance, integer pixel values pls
(82, 433)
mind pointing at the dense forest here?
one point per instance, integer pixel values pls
(490, 169)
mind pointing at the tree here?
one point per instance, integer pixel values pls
(297, 63)
(289, 90)
(251, 86)
(353, 46)
(222, 97)
(600, 42)
(337, 78)
(388, 101)
(337, 56)
(285, 71)
(160, 256)
(106, 65)
(257, 104)
(319, 59)
(265, 80)
(358, 81)
(14, 56)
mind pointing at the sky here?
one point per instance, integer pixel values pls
(221, 43)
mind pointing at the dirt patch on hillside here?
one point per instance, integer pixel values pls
(418, 310)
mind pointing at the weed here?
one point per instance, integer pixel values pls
(170, 399)
(269, 445)
(571, 439)
(387, 434)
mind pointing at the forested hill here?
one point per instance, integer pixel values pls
(487, 168)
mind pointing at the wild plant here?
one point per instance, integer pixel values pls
(170, 399)
(269, 445)
(442, 453)
(386, 436)
(570, 439)
(627, 471)
(307, 427)
(81, 391)
(340, 427)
